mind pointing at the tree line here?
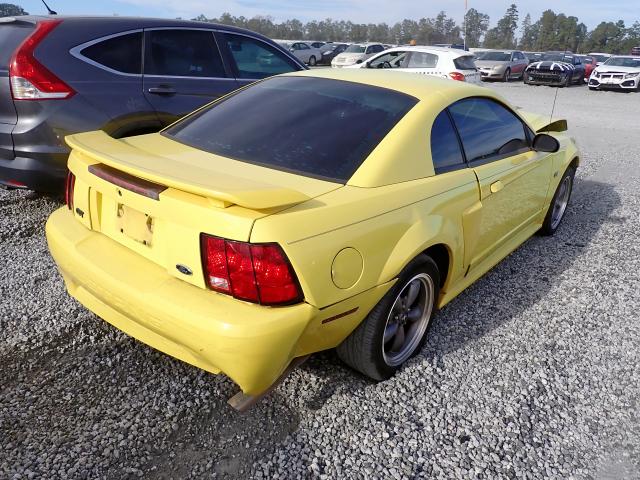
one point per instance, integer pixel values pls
(552, 31)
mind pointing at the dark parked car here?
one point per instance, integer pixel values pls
(555, 68)
(533, 56)
(62, 75)
(328, 55)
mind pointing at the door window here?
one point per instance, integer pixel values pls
(422, 60)
(389, 60)
(122, 53)
(257, 59)
(488, 130)
(445, 146)
(183, 53)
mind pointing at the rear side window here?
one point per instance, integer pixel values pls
(122, 53)
(488, 130)
(275, 123)
(445, 147)
(257, 59)
(464, 63)
(183, 53)
(11, 35)
(422, 60)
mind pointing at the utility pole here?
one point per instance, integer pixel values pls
(464, 21)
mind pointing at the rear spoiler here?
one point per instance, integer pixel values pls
(542, 123)
(227, 189)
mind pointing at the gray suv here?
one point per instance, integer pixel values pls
(127, 76)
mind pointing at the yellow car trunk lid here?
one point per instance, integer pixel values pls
(156, 196)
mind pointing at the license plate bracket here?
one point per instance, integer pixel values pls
(135, 224)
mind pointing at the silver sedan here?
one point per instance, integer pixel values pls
(501, 64)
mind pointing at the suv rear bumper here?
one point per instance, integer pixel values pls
(43, 174)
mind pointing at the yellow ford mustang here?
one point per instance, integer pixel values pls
(308, 211)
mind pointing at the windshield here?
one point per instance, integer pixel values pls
(274, 123)
(601, 58)
(557, 57)
(494, 56)
(623, 62)
(355, 49)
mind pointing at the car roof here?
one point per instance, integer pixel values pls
(421, 87)
(634, 57)
(143, 22)
(456, 52)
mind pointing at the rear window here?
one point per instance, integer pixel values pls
(11, 35)
(122, 53)
(464, 63)
(311, 126)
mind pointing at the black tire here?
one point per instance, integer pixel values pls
(364, 349)
(312, 61)
(593, 89)
(551, 223)
(507, 75)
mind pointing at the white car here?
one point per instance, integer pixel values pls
(303, 51)
(449, 63)
(621, 72)
(356, 54)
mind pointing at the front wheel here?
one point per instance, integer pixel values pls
(312, 61)
(559, 203)
(397, 326)
(507, 75)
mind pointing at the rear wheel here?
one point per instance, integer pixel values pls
(559, 204)
(397, 326)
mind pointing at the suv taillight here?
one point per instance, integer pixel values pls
(457, 76)
(30, 80)
(259, 273)
(68, 190)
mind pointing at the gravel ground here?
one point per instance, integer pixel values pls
(531, 373)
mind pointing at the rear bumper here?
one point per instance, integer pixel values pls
(43, 174)
(251, 344)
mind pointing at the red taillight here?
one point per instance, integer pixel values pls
(457, 76)
(259, 273)
(68, 190)
(30, 80)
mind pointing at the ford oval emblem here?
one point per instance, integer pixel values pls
(183, 269)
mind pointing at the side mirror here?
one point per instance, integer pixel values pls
(292, 49)
(545, 143)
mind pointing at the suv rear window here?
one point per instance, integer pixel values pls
(12, 35)
(464, 63)
(276, 123)
(122, 53)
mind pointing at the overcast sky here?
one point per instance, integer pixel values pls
(591, 12)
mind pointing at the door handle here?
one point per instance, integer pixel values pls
(162, 90)
(496, 186)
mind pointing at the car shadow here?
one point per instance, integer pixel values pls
(529, 274)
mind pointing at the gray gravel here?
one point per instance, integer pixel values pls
(531, 373)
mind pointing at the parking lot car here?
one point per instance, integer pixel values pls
(237, 242)
(69, 74)
(501, 64)
(437, 61)
(356, 53)
(600, 57)
(589, 64)
(330, 53)
(556, 68)
(617, 73)
(303, 52)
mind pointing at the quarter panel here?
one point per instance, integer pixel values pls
(388, 225)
